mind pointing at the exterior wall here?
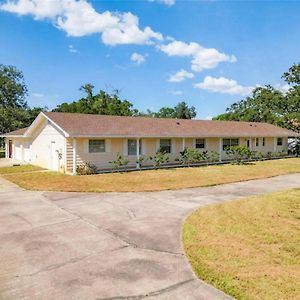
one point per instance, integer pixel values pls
(47, 147)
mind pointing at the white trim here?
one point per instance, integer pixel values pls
(125, 147)
(37, 119)
(74, 156)
(275, 144)
(183, 144)
(173, 146)
(220, 149)
(157, 144)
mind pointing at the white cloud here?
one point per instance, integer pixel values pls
(283, 88)
(38, 95)
(176, 93)
(138, 58)
(72, 49)
(180, 76)
(166, 2)
(208, 117)
(202, 58)
(79, 18)
(224, 86)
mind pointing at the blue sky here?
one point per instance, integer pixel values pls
(209, 54)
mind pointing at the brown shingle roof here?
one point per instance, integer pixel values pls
(19, 132)
(116, 126)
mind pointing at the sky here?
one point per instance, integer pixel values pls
(156, 52)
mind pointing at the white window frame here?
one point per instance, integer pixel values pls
(166, 140)
(256, 142)
(230, 142)
(204, 143)
(140, 146)
(280, 139)
(96, 152)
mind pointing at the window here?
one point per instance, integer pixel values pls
(256, 142)
(200, 143)
(229, 143)
(96, 146)
(279, 142)
(165, 145)
(263, 142)
(132, 147)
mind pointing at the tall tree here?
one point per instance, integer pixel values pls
(13, 90)
(102, 103)
(267, 104)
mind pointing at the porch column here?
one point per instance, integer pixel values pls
(275, 144)
(220, 149)
(250, 143)
(74, 155)
(22, 151)
(6, 148)
(138, 153)
(183, 144)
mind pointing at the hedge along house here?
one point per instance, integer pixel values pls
(62, 141)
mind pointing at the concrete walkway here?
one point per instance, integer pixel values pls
(106, 246)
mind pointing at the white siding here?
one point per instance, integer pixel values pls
(40, 148)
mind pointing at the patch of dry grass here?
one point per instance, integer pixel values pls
(155, 180)
(248, 248)
(19, 169)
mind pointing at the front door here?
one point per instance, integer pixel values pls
(10, 149)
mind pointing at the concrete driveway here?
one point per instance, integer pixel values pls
(106, 246)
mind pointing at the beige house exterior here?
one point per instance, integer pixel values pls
(62, 141)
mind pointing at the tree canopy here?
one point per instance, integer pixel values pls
(268, 104)
(101, 103)
(14, 111)
(180, 111)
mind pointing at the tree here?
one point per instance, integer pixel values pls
(13, 90)
(267, 104)
(102, 103)
(180, 111)
(293, 75)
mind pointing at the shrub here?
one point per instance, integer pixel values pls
(119, 162)
(214, 156)
(141, 160)
(239, 153)
(86, 169)
(159, 159)
(189, 156)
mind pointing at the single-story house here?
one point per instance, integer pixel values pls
(62, 141)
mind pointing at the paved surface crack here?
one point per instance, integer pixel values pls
(150, 294)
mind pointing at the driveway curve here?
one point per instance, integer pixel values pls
(106, 246)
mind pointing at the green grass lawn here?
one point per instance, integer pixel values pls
(248, 248)
(19, 169)
(154, 180)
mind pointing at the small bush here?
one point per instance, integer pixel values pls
(214, 156)
(2, 153)
(141, 160)
(119, 162)
(159, 159)
(189, 156)
(239, 153)
(86, 169)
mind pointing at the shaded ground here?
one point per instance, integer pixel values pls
(100, 246)
(156, 180)
(248, 248)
